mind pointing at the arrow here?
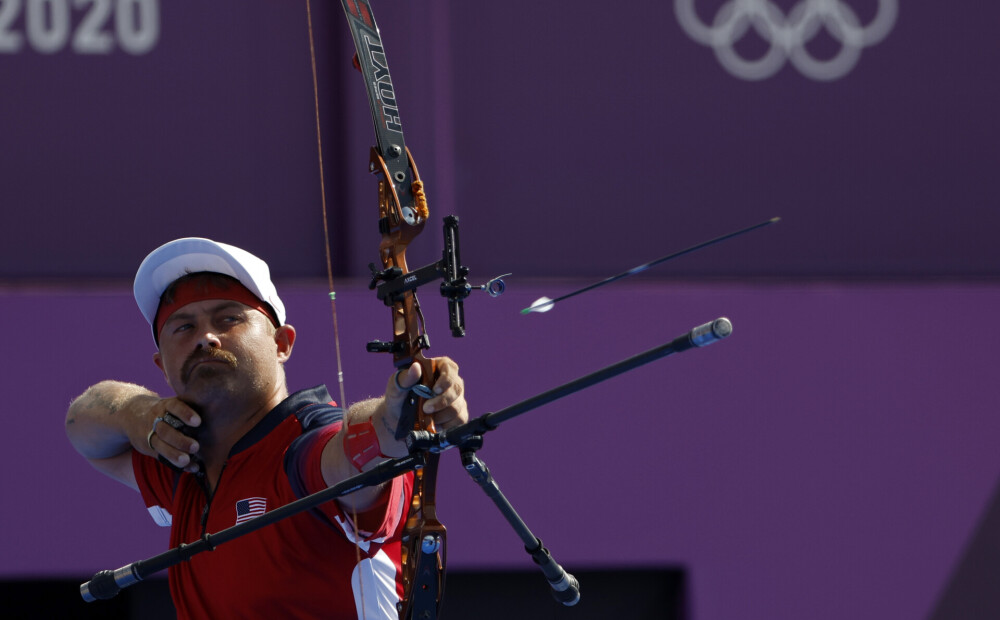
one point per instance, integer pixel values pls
(544, 304)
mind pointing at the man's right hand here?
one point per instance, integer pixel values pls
(173, 433)
(112, 418)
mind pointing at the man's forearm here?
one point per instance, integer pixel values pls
(101, 421)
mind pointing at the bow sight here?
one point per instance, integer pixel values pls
(391, 284)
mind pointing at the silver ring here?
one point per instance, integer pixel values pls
(149, 437)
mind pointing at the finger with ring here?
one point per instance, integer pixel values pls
(149, 437)
(396, 379)
(419, 389)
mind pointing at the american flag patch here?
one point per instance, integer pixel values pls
(249, 508)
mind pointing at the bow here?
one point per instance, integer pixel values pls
(402, 215)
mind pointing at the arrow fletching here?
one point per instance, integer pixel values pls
(542, 304)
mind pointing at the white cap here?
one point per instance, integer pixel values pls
(192, 255)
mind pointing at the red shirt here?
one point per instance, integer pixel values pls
(305, 566)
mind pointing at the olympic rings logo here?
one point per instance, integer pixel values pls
(787, 36)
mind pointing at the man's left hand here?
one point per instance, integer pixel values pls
(447, 408)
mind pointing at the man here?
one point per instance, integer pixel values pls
(232, 444)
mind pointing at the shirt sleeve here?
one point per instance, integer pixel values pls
(156, 484)
(382, 521)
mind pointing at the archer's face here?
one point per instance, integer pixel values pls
(218, 349)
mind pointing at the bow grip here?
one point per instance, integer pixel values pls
(411, 417)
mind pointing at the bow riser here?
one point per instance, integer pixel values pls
(409, 333)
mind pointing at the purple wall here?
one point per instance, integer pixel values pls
(829, 460)
(832, 459)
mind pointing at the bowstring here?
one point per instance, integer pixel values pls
(329, 276)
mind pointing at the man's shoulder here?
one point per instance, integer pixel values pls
(318, 415)
(314, 408)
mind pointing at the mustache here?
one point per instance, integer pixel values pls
(201, 355)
